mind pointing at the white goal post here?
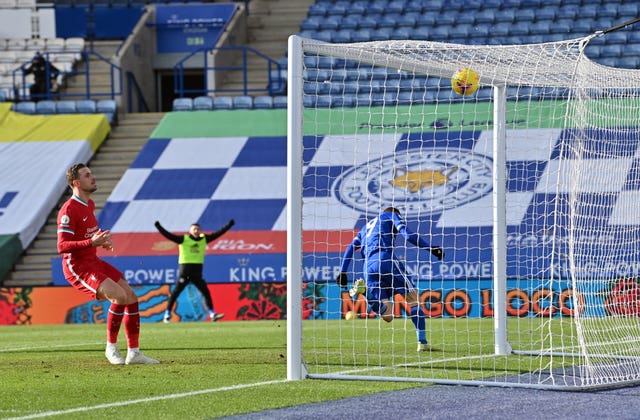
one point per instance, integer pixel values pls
(530, 185)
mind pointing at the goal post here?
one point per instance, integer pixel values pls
(530, 185)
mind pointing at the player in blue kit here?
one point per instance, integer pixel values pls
(385, 275)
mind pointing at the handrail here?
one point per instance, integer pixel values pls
(179, 69)
(115, 79)
(132, 83)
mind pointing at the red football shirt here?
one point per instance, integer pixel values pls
(77, 223)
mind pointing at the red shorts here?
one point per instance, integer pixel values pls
(87, 275)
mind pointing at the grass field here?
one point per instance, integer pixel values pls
(206, 371)
(211, 370)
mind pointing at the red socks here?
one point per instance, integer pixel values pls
(131, 318)
(114, 320)
(132, 325)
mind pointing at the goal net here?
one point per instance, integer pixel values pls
(530, 185)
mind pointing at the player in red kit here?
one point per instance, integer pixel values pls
(78, 238)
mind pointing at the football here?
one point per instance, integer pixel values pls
(465, 82)
(349, 315)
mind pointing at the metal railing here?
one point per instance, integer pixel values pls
(273, 86)
(22, 82)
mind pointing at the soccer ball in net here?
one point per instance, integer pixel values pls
(465, 82)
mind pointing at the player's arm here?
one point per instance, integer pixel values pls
(210, 237)
(414, 238)
(66, 242)
(355, 244)
(170, 236)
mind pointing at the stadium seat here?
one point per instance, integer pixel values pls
(349, 23)
(222, 103)
(324, 101)
(66, 107)
(203, 103)
(86, 106)
(316, 88)
(46, 107)
(280, 102)
(183, 104)
(242, 102)
(263, 102)
(107, 107)
(26, 107)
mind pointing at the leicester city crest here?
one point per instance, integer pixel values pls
(418, 181)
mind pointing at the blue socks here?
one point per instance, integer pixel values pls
(417, 317)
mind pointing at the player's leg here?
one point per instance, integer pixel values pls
(109, 290)
(378, 284)
(404, 286)
(201, 285)
(131, 316)
(177, 289)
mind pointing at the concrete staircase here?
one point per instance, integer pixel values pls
(109, 164)
(270, 23)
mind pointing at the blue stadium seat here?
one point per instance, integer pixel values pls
(203, 103)
(367, 22)
(413, 6)
(242, 102)
(316, 88)
(485, 16)
(349, 22)
(222, 102)
(66, 107)
(263, 102)
(407, 20)
(396, 6)
(324, 101)
(545, 13)
(629, 62)
(460, 31)
(342, 36)
(336, 9)
(312, 23)
(505, 15)
(361, 35)
(331, 23)
(86, 106)
(46, 107)
(628, 11)
(567, 12)
(183, 104)
(317, 9)
(541, 27)
(381, 34)
(107, 107)
(26, 107)
(279, 102)
(402, 33)
(387, 21)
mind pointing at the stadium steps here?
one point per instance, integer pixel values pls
(100, 71)
(269, 25)
(109, 164)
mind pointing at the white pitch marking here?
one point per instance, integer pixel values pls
(144, 400)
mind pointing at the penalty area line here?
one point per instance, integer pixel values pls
(145, 400)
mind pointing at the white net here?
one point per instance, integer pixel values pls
(383, 127)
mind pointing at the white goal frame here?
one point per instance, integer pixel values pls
(296, 368)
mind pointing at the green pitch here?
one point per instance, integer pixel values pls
(207, 370)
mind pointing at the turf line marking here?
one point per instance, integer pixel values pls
(48, 346)
(145, 400)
